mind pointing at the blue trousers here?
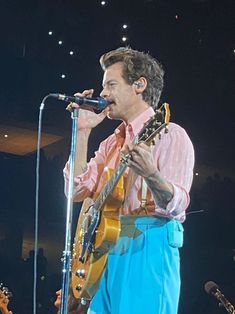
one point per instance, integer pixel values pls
(142, 271)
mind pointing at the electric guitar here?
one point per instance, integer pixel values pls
(98, 226)
(5, 294)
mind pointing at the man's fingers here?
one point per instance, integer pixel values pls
(141, 149)
(125, 149)
(85, 93)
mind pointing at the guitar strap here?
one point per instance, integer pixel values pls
(130, 181)
(131, 178)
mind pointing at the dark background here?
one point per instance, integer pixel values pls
(195, 42)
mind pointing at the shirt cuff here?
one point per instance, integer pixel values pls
(175, 209)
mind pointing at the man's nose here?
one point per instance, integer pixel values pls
(104, 93)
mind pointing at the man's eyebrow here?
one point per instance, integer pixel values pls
(108, 82)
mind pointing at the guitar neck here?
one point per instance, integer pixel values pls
(109, 186)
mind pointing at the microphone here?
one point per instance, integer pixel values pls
(213, 289)
(98, 103)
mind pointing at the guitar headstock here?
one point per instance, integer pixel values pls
(5, 294)
(5, 291)
(157, 122)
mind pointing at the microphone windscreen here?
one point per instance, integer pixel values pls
(210, 287)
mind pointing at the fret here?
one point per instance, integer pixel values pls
(109, 186)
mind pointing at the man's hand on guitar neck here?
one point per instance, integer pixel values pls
(142, 162)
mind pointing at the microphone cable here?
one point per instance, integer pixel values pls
(36, 205)
(195, 212)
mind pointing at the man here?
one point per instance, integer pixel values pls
(142, 271)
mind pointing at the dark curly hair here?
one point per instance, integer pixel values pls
(135, 65)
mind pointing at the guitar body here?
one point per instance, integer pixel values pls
(87, 267)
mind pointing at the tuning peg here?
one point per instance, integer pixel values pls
(78, 287)
(80, 273)
(83, 301)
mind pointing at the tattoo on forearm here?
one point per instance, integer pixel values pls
(162, 191)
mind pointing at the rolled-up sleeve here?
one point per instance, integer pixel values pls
(176, 162)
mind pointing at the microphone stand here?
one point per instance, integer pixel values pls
(67, 249)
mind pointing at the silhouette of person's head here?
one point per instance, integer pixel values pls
(31, 254)
(40, 252)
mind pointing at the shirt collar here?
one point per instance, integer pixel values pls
(136, 125)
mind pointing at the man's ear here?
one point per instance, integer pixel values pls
(140, 85)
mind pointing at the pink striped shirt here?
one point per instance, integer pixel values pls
(174, 157)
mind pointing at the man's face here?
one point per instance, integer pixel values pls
(121, 96)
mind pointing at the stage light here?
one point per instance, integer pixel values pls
(60, 42)
(124, 26)
(124, 38)
(50, 33)
(71, 53)
(5, 135)
(63, 76)
(103, 3)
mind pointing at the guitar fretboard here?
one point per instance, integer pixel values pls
(110, 185)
